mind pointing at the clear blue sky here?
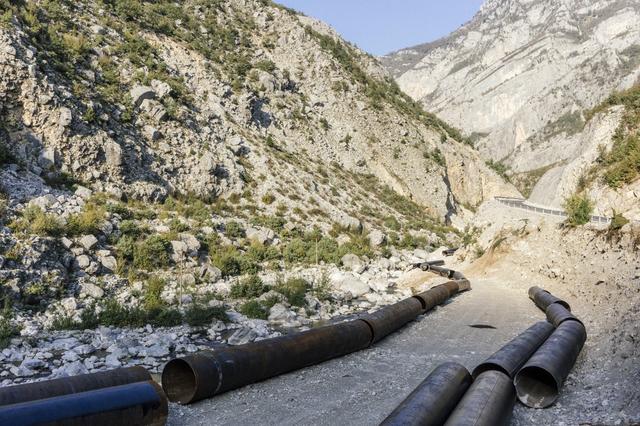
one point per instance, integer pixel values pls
(382, 26)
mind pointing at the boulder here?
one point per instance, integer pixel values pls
(353, 263)
(376, 238)
(88, 241)
(65, 118)
(141, 93)
(44, 202)
(262, 236)
(83, 192)
(282, 315)
(91, 290)
(242, 336)
(83, 261)
(154, 110)
(349, 283)
(109, 262)
(113, 154)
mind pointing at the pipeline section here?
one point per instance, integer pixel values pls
(134, 404)
(514, 354)
(488, 402)
(539, 381)
(434, 399)
(116, 397)
(209, 373)
(543, 299)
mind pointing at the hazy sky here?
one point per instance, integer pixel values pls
(382, 26)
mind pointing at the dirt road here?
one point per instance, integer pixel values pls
(364, 387)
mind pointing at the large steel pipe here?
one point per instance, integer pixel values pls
(539, 381)
(390, 318)
(514, 354)
(437, 295)
(68, 385)
(557, 314)
(488, 402)
(433, 400)
(203, 375)
(426, 265)
(444, 272)
(134, 404)
(542, 298)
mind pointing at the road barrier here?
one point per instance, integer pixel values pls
(434, 399)
(209, 373)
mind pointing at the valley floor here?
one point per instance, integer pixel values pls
(363, 388)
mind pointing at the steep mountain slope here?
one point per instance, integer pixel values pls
(519, 75)
(149, 99)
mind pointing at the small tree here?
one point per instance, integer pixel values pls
(579, 209)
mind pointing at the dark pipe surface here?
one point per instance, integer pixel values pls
(69, 385)
(386, 320)
(488, 402)
(433, 400)
(203, 375)
(542, 298)
(557, 314)
(514, 354)
(134, 404)
(444, 272)
(539, 381)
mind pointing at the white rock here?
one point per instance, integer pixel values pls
(88, 241)
(140, 93)
(83, 261)
(348, 283)
(376, 238)
(352, 262)
(91, 290)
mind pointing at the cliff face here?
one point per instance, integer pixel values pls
(517, 77)
(149, 99)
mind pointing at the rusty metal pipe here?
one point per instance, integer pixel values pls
(488, 402)
(539, 381)
(444, 272)
(139, 404)
(386, 320)
(514, 354)
(542, 298)
(203, 375)
(557, 314)
(68, 385)
(433, 400)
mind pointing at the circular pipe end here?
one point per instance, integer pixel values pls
(536, 387)
(488, 366)
(179, 381)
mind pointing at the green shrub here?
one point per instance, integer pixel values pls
(322, 288)
(500, 168)
(7, 329)
(579, 209)
(130, 228)
(254, 309)
(88, 221)
(294, 289)
(5, 156)
(152, 252)
(234, 230)
(163, 317)
(617, 222)
(35, 221)
(231, 262)
(153, 293)
(198, 315)
(268, 198)
(249, 287)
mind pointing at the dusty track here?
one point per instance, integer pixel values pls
(362, 388)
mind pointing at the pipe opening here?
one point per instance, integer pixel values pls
(489, 366)
(179, 381)
(536, 387)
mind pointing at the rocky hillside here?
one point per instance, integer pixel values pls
(520, 77)
(221, 164)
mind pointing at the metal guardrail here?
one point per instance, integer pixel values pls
(521, 203)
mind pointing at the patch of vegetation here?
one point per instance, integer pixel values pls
(7, 329)
(500, 168)
(249, 287)
(254, 309)
(579, 209)
(35, 221)
(234, 230)
(621, 165)
(88, 221)
(617, 222)
(151, 253)
(526, 181)
(231, 261)
(436, 156)
(198, 315)
(294, 289)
